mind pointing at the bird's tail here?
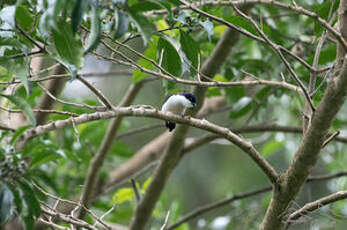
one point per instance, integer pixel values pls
(170, 125)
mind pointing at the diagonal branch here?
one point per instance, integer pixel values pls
(312, 206)
(96, 91)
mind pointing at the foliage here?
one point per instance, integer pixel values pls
(175, 43)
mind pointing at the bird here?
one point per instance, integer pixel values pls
(177, 104)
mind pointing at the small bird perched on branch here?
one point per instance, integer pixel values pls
(177, 104)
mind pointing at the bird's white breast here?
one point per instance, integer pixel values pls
(176, 104)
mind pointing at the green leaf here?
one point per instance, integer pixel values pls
(22, 105)
(242, 22)
(122, 150)
(142, 24)
(190, 49)
(146, 184)
(23, 18)
(42, 154)
(18, 67)
(95, 31)
(123, 195)
(17, 197)
(19, 131)
(241, 108)
(29, 222)
(150, 53)
(52, 14)
(77, 14)
(68, 47)
(271, 147)
(121, 24)
(6, 203)
(30, 199)
(170, 59)
(234, 94)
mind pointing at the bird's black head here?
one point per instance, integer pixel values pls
(190, 97)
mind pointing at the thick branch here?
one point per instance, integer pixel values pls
(307, 154)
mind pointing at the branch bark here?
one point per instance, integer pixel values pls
(307, 154)
(46, 102)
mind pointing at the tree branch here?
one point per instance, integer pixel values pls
(47, 101)
(96, 92)
(98, 160)
(307, 154)
(310, 207)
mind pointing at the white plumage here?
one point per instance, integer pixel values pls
(177, 104)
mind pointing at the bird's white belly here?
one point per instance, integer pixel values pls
(173, 108)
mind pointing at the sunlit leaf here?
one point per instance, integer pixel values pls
(123, 195)
(146, 184)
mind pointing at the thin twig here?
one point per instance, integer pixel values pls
(205, 83)
(165, 221)
(42, 48)
(312, 206)
(199, 66)
(71, 114)
(97, 92)
(136, 190)
(330, 138)
(96, 108)
(278, 51)
(248, 34)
